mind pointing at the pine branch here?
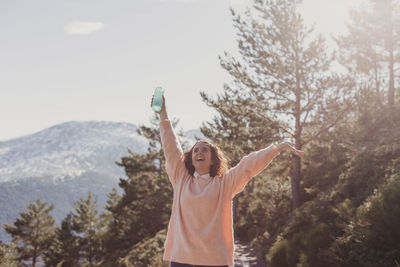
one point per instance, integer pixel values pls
(326, 127)
(287, 131)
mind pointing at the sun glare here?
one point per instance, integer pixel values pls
(329, 17)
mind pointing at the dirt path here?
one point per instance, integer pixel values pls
(245, 257)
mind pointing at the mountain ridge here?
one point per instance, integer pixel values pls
(67, 149)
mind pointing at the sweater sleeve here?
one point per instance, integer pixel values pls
(174, 165)
(249, 166)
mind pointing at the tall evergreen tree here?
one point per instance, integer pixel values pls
(86, 223)
(371, 49)
(284, 76)
(32, 232)
(241, 118)
(113, 233)
(64, 250)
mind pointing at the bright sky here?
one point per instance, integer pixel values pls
(63, 60)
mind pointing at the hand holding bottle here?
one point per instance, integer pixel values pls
(158, 103)
(157, 100)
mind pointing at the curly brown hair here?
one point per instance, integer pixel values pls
(220, 163)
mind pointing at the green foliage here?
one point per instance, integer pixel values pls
(33, 232)
(352, 219)
(86, 224)
(278, 253)
(144, 207)
(305, 248)
(325, 161)
(263, 210)
(19, 195)
(64, 251)
(147, 252)
(368, 170)
(142, 211)
(8, 255)
(239, 122)
(306, 237)
(373, 239)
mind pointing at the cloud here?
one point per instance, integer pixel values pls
(82, 27)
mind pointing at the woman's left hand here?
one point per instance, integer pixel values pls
(289, 146)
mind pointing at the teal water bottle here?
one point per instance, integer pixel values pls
(158, 99)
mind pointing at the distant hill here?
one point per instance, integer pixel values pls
(63, 163)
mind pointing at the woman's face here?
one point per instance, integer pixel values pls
(201, 158)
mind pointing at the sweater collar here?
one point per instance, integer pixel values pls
(206, 176)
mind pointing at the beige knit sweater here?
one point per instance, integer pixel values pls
(200, 229)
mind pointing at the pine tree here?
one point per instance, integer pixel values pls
(86, 223)
(244, 119)
(241, 118)
(32, 232)
(285, 78)
(371, 49)
(113, 233)
(64, 250)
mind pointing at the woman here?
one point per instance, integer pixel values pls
(200, 231)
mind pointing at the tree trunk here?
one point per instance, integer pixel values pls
(391, 61)
(34, 257)
(391, 79)
(160, 168)
(295, 182)
(90, 252)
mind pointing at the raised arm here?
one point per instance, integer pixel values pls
(251, 165)
(172, 149)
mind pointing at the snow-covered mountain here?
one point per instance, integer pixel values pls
(69, 150)
(63, 163)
